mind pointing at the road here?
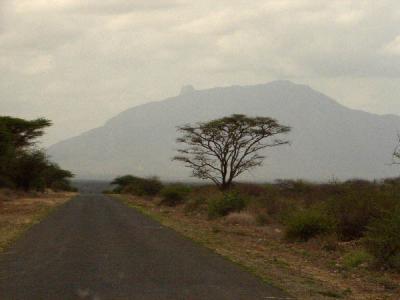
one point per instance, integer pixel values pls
(95, 247)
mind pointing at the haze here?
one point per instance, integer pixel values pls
(81, 62)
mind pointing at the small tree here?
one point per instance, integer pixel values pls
(222, 149)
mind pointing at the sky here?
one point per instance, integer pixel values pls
(80, 62)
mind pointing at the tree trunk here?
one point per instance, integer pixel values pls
(225, 186)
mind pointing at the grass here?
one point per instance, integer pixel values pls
(21, 213)
(356, 258)
(240, 218)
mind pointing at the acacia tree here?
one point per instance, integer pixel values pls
(22, 165)
(222, 149)
(23, 132)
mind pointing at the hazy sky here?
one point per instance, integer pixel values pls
(79, 62)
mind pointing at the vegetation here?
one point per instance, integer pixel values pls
(222, 205)
(353, 227)
(351, 211)
(129, 184)
(22, 165)
(350, 229)
(356, 258)
(222, 149)
(305, 224)
(240, 218)
(315, 262)
(20, 210)
(382, 239)
(174, 194)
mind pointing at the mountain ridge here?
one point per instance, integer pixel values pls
(141, 140)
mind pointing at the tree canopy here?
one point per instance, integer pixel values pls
(137, 185)
(222, 149)
(23, 132)
(22, 165)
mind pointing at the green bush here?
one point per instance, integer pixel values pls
(174, 194)
(305, 224)
(140, 186)
(354, 210)
(228, 202)
(151, 187)
(126, 182)
(382, 240)
(356, 258)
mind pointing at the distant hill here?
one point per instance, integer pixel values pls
(328, 140)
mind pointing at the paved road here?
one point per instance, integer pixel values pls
(94, 247)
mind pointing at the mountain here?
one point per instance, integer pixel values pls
(328, 140)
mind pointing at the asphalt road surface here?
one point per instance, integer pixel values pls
(94, 247)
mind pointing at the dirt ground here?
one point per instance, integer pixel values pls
(19, 211)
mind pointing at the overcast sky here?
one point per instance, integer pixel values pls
(79, 62)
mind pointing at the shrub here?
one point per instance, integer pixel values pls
(199, 197)
(222, 205)
(142, 187)
(262, 219)
(125, 180)
(382, 240)
(277, 207)
(356, 258)
(194, 204)
(174, 194)
(295, 186)
(250, 189)
(355, 209)
(305, 224)
(257, 208)
(240, 218)
(126, 183)
(151, 186)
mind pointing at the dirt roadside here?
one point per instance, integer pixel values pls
(19, 212)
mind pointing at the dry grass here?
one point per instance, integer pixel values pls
(312, 270)
(240, 218)
(18, 212)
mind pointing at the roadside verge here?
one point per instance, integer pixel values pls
(18, 214)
